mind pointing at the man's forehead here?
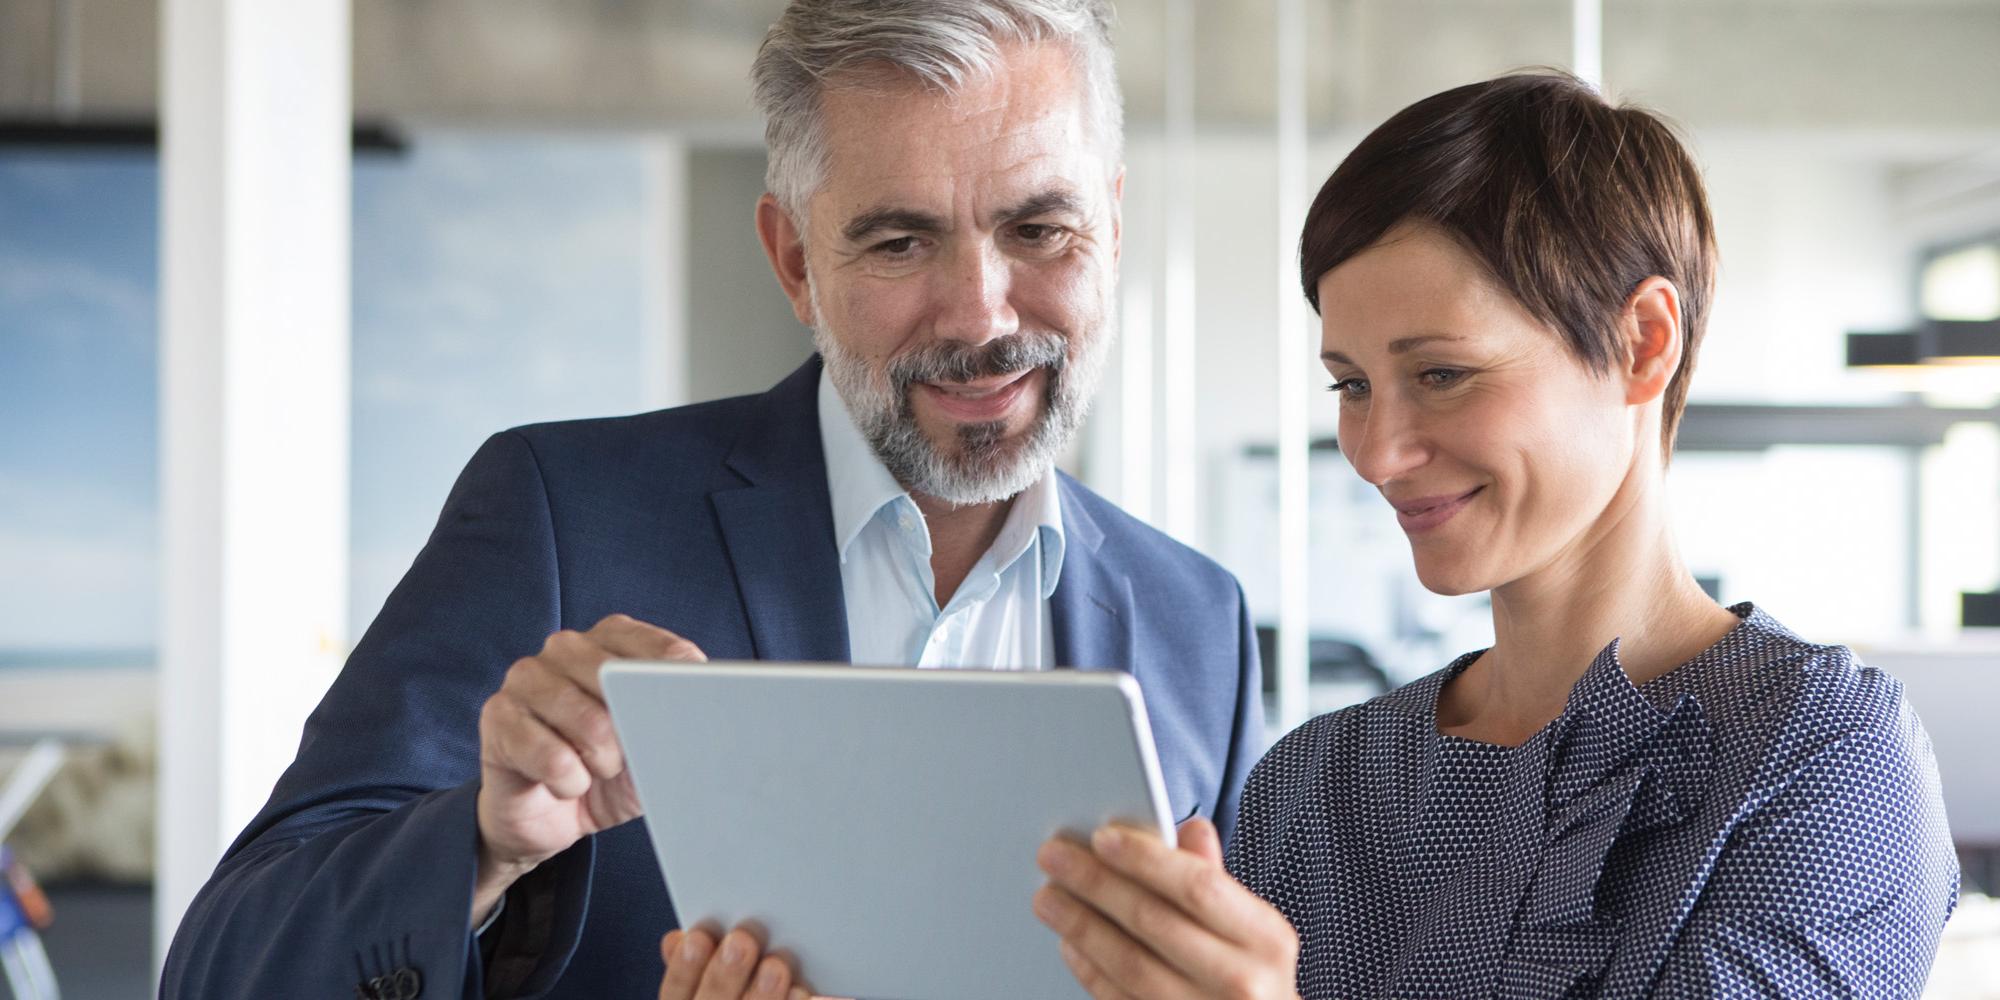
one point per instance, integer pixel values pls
(948, 172)
(917, 126)
(980, 180)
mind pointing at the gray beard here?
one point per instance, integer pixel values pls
(984, 467)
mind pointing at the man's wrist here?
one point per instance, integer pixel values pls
(499, 907)
(490, 884)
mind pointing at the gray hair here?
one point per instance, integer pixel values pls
(943, 44)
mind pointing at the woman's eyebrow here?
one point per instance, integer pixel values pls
(1401, 345)
(1404, 345)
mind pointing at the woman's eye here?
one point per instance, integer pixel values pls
(1349, 388)
(1438, 378)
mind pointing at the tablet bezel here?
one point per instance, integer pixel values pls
(874, 707)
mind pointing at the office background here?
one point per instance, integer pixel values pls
(547, 215)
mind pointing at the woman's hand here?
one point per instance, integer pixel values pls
(699, 969)
(1141, 920)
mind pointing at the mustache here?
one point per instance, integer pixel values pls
(957, 361)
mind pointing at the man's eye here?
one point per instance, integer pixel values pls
(1039, 233)
(901, 246)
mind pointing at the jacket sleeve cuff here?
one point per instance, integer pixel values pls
(536, 928)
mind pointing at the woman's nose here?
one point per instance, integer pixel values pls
(1385, 443)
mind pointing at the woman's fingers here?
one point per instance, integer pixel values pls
(1198, 886)
(1156, 920)
(1151, 923)
(1198, 837)
(1117, 964)
(1094, 981)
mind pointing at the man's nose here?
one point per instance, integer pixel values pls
(1385, 443)
(974, 294)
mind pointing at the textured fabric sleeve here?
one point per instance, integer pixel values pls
(1839, 885)
(1247, 738)
(1245, 849)
(361, 864)
(1273, 794)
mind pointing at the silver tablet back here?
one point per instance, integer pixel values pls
(881, 824)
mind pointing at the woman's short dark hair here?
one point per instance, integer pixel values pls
(1568, 201)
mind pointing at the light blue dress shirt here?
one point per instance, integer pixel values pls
(999, 616)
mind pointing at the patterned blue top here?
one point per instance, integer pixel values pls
(1763, 821)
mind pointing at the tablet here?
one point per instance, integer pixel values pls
(881, 824)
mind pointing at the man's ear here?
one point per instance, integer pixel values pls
(1651, 329)
(785, 248)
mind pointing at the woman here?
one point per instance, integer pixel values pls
(1634, 791)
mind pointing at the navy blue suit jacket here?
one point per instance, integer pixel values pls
(711, 520)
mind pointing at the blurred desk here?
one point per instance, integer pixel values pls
(77, 704)
(96, 819)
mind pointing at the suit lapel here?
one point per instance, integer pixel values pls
(1091, 609)
(778, 528)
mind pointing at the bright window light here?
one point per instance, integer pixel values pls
(1963, 284)
(1961, 521)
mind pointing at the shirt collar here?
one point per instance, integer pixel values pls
(860, 486)
(1036, 517)
(856, 479)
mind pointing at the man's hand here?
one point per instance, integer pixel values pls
(551, 770)
(1142, 920)
(698, 970)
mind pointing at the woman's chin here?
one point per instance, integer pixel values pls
(1451, 578)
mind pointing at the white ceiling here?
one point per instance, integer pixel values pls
(1812, 64)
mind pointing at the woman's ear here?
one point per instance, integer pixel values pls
(1651, 328)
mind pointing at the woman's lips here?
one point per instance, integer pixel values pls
(981, 400)
(1426, 513)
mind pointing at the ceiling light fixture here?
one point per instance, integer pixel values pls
(1938, 342)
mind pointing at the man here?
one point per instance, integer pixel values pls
(944, 213)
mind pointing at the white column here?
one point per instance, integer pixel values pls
(1587, 42)
(1136, 440)
(1179, 387)
(1295, 363)
(663, 349)
(254, 158)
